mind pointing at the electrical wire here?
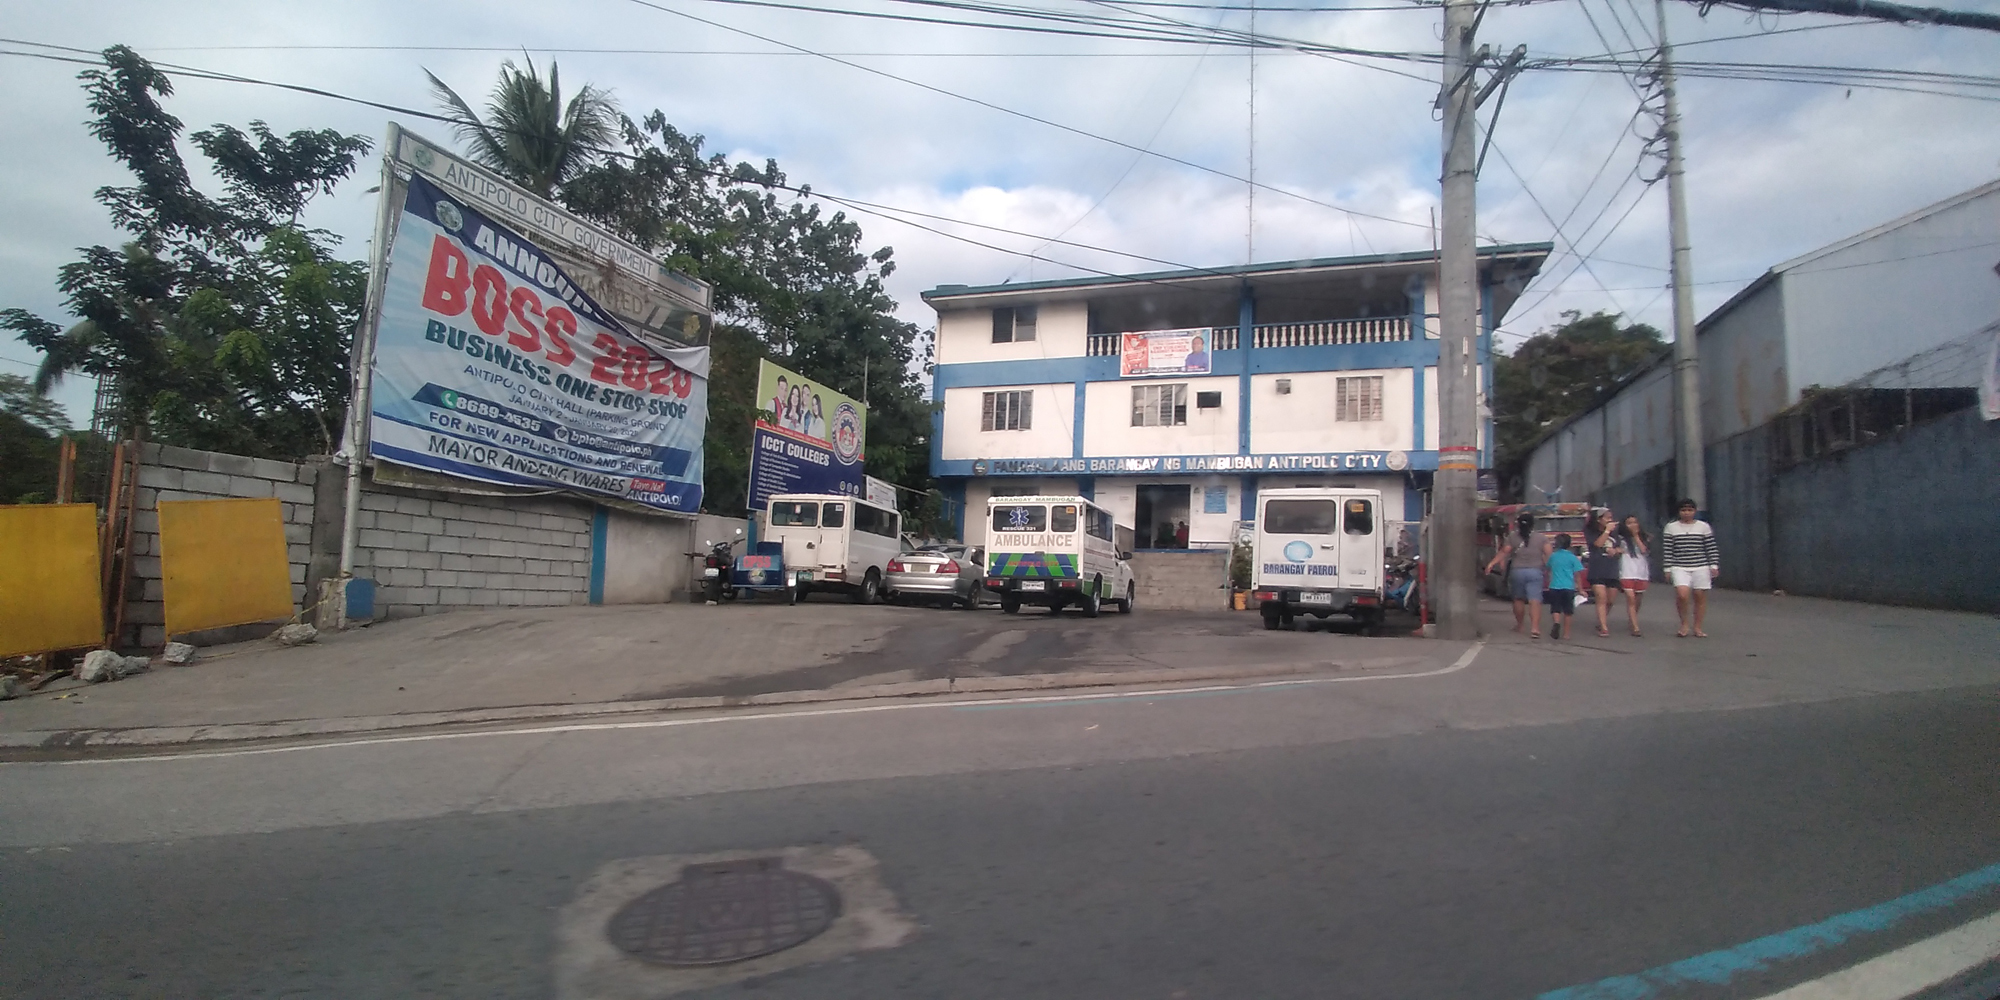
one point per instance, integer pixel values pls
(1033, 118)
(887, 212)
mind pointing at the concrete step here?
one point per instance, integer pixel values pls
(1182, 581)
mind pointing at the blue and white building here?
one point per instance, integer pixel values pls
(1171, 398)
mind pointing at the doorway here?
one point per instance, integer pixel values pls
(1161, 516)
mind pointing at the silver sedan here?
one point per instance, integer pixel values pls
(944, 574)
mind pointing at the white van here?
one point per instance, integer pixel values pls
(834, 543)
(1318, 551)
(1056, 551)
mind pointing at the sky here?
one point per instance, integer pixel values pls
(1774, 169)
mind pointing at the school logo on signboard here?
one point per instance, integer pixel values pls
(449, 217)
(847, 433)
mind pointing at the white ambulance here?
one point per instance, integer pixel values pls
(834, 543)
(1055, 551)
(1318, 551)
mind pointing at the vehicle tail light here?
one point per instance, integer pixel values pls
(950, 566)
(1365, 599)
(895, 565)
(1267, 595)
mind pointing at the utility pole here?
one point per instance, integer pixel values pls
(1691, 473)
(1454, 489)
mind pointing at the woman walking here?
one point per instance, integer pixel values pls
(1607, 552)
(1525, 552)
(1633, 568)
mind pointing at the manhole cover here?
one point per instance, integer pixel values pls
(727, 911)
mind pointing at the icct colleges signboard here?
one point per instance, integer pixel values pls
(807, 438)
(493, 363)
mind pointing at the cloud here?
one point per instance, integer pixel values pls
(1774, 169)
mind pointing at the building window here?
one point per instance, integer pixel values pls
(1357, 398)
(1013, 325)
(1013, 410)
(1159, 405)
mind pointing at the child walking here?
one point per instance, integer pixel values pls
(1564, 569)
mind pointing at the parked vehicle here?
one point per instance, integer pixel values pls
(1318, 551)
(943, 574)
(834, 543)
(717, 570)
(761, 570)
(1495, 523)
(1055, 551)
(1399, 584)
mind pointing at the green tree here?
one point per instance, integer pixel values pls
(1560, 372)
(528, 135)
(222, 322)
(793, 281)
(29, 424)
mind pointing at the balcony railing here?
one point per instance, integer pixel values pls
(1376, 330)
(1321, 333)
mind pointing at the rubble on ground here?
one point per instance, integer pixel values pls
(295, 635)
(104, 665)
(179, 654)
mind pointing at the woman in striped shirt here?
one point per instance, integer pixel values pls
(1692, 562)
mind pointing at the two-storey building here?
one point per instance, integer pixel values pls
(1172, 398)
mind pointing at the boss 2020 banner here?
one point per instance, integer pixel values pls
(492, 364)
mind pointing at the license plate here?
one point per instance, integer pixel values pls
(711, 572)
(1315, 598)
(805, 576)
(1034, 585)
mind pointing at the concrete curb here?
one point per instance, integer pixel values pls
(75, 739)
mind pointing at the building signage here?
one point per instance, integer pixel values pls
(493, 363)
(1164, 352)
(650, 299)
(881, 492)
(807, 438)
(1348, 461)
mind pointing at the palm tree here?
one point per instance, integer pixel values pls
(528, 134)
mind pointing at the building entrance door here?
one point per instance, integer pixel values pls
(1161, 516)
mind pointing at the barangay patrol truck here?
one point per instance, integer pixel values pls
(1055, 551)
(1318, 551)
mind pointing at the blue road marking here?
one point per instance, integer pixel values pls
(1719, 967)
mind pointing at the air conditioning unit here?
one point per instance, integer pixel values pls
(1208, 400)
(1284, 387)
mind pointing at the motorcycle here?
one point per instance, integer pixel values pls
(715, 572)
(1400, 585)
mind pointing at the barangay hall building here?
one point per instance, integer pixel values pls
(1172, 398)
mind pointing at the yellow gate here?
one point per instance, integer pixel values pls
(49, 597)
(223, 562)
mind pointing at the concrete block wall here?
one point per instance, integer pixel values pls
(1182, 581)
(170, 473)
(430, 552)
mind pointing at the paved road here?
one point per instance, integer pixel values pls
(1538, 819)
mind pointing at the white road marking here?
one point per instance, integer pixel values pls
(1907, 971)
(1465, 660)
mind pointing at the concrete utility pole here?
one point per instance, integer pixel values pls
(1691, 473)
(1454, 490)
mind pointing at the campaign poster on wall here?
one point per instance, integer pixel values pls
(807, 438)
(493, 364)
(1164, 352)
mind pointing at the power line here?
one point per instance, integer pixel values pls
(887, 212)
(1029, 117)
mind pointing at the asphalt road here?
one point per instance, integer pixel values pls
(1533, 821)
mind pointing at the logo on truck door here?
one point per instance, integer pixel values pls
(1299, 552)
